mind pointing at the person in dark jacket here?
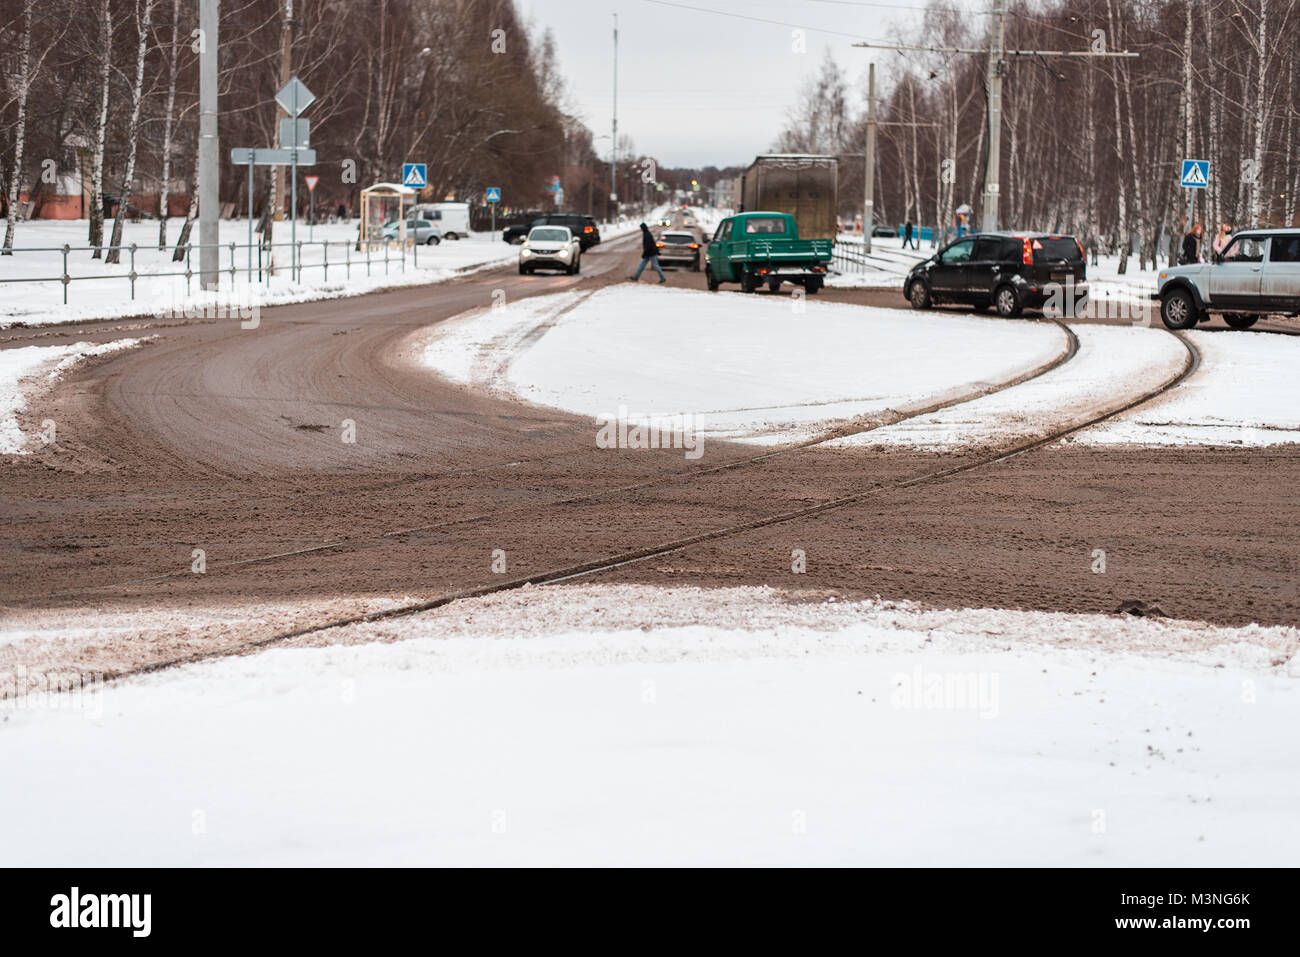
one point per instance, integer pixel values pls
(649, 254)
(907, 235)
(1191, 247)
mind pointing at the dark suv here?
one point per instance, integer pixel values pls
(583, 227)
(1012, 271)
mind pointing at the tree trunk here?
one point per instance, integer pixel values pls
(101, 131)
(24, 87)
(1121, 200)
(169, 119)
(144, 19)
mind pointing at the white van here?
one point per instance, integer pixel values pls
(451, 219)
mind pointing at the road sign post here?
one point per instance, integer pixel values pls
(311, 182)
(1195, 175)
(493, 196)
(294, 98)
(416, 176)
(243, 156)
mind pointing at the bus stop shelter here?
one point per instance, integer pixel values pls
(381, 204)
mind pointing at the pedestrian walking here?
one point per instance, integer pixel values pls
(649, 254)
(908, 238)
(1192, 246)
(1222, 238)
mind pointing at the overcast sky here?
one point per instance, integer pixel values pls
(697, 88)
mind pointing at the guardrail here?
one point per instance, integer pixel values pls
(259, 261)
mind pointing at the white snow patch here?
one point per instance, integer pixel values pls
(862, 733)
(746, 368)
(27, 368)
(1246, 393)
(1113, 363)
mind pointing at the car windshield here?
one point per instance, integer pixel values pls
(765, 224)
(548, 236)
(678, 238)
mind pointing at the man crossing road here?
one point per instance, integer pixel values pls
(649, 254)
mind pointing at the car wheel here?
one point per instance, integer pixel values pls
(813, 286)
(1008, 302)
(773, 285)
(918, 294)
(1177, 310)
(748, 281)
(453, 236)
(523, 271)
(1239, 320)
(709, 280)
(695, 266)
(577, 265)
(432, 241)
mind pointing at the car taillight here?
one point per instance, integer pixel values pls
(695, 245)
(660, 245)
(1027, 254)
(1081, 253)
(587, 229)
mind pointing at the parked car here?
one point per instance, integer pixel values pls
(1010, 271)
(426, 233)
(884, 232)
(550, 247)
(584, 227)
(1257, 273)
(677, 246)
(756, 248)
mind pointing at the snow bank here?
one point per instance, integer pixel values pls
(747, 368)
(24, 369)
(1246, 393)
(1114, 363)
(868, 734)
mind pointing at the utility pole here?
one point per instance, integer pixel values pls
(997, 65)
(997, 54)
(869, 194)
(286, 55)
(209, 146)
(613, 162)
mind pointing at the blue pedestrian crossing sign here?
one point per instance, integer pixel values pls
(415, 175)
(493, 194)
(1196, 174)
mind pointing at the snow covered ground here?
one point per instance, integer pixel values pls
(109, 296)
(558, 726)
(1114, 364)
(747, 368)
(1247, 394)
(755, 369)
(27, 369)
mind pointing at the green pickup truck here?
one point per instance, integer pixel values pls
(757, 248)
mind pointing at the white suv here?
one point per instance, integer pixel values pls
(550, 247)
(1258, 273)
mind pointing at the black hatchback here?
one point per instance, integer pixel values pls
(1011, 271)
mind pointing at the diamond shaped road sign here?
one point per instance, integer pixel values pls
(295, 97)
(494, 194)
